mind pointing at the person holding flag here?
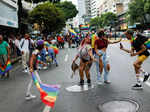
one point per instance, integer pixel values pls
(33, 68)
(4, 54)
(48, 93)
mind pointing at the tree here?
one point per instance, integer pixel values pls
(136, 12)
(147, 7)
(49, 16)
(96, 22)
(139, 11)
(108, 19)
(68, 8)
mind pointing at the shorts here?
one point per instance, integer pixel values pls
(89, 63)
(142, 58)
(84, 60)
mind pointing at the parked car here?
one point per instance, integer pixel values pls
(146, 33)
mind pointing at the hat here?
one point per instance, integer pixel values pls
(40, 42)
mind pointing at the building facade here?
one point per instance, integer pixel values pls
(9, 13)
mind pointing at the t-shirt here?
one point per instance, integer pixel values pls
(3, 48)
(137, 43)
(83, 52)
(101, 43)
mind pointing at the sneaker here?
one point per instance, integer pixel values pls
(137, 87)
(146, 77)
(81, 83)
(107, 82)
(29, 97)
(25, 71)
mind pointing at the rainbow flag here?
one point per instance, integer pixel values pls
(5, 68)
(48, 93)
(147, 44)
(72, 32)
(84, 27)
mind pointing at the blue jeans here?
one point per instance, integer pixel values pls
(105, 62)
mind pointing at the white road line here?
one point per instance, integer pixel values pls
(147, 82)
(66, 57)
(47, 109)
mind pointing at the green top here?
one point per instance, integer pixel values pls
(3, 48)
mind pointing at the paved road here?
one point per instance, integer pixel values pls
(12, 93)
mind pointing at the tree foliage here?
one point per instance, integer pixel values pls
(48, 15)
(138, 9)
(106, 19)
(96, 22)
(147, 7)
(68, 8)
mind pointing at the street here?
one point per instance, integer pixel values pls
(122, 77)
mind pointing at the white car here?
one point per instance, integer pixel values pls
(146, 33)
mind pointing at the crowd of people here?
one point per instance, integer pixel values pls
(39, 53)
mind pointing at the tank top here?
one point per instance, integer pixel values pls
(101, 43)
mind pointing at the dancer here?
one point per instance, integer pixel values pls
(33, 68)
(137, 49)
(101, 45)
(86, 58)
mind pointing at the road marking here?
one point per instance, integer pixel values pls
(47, 109)
(147, 82)
(66, 57)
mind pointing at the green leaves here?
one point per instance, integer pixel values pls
(48, 15)
(68, 8)
(138, 10)
(52, 16)
(106, 19)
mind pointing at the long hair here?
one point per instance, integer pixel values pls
(101, 34)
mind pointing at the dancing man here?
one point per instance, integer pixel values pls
(137, 49)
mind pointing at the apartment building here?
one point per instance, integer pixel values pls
(110, 6)
(82, 11)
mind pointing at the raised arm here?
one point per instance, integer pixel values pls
(114, 42)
